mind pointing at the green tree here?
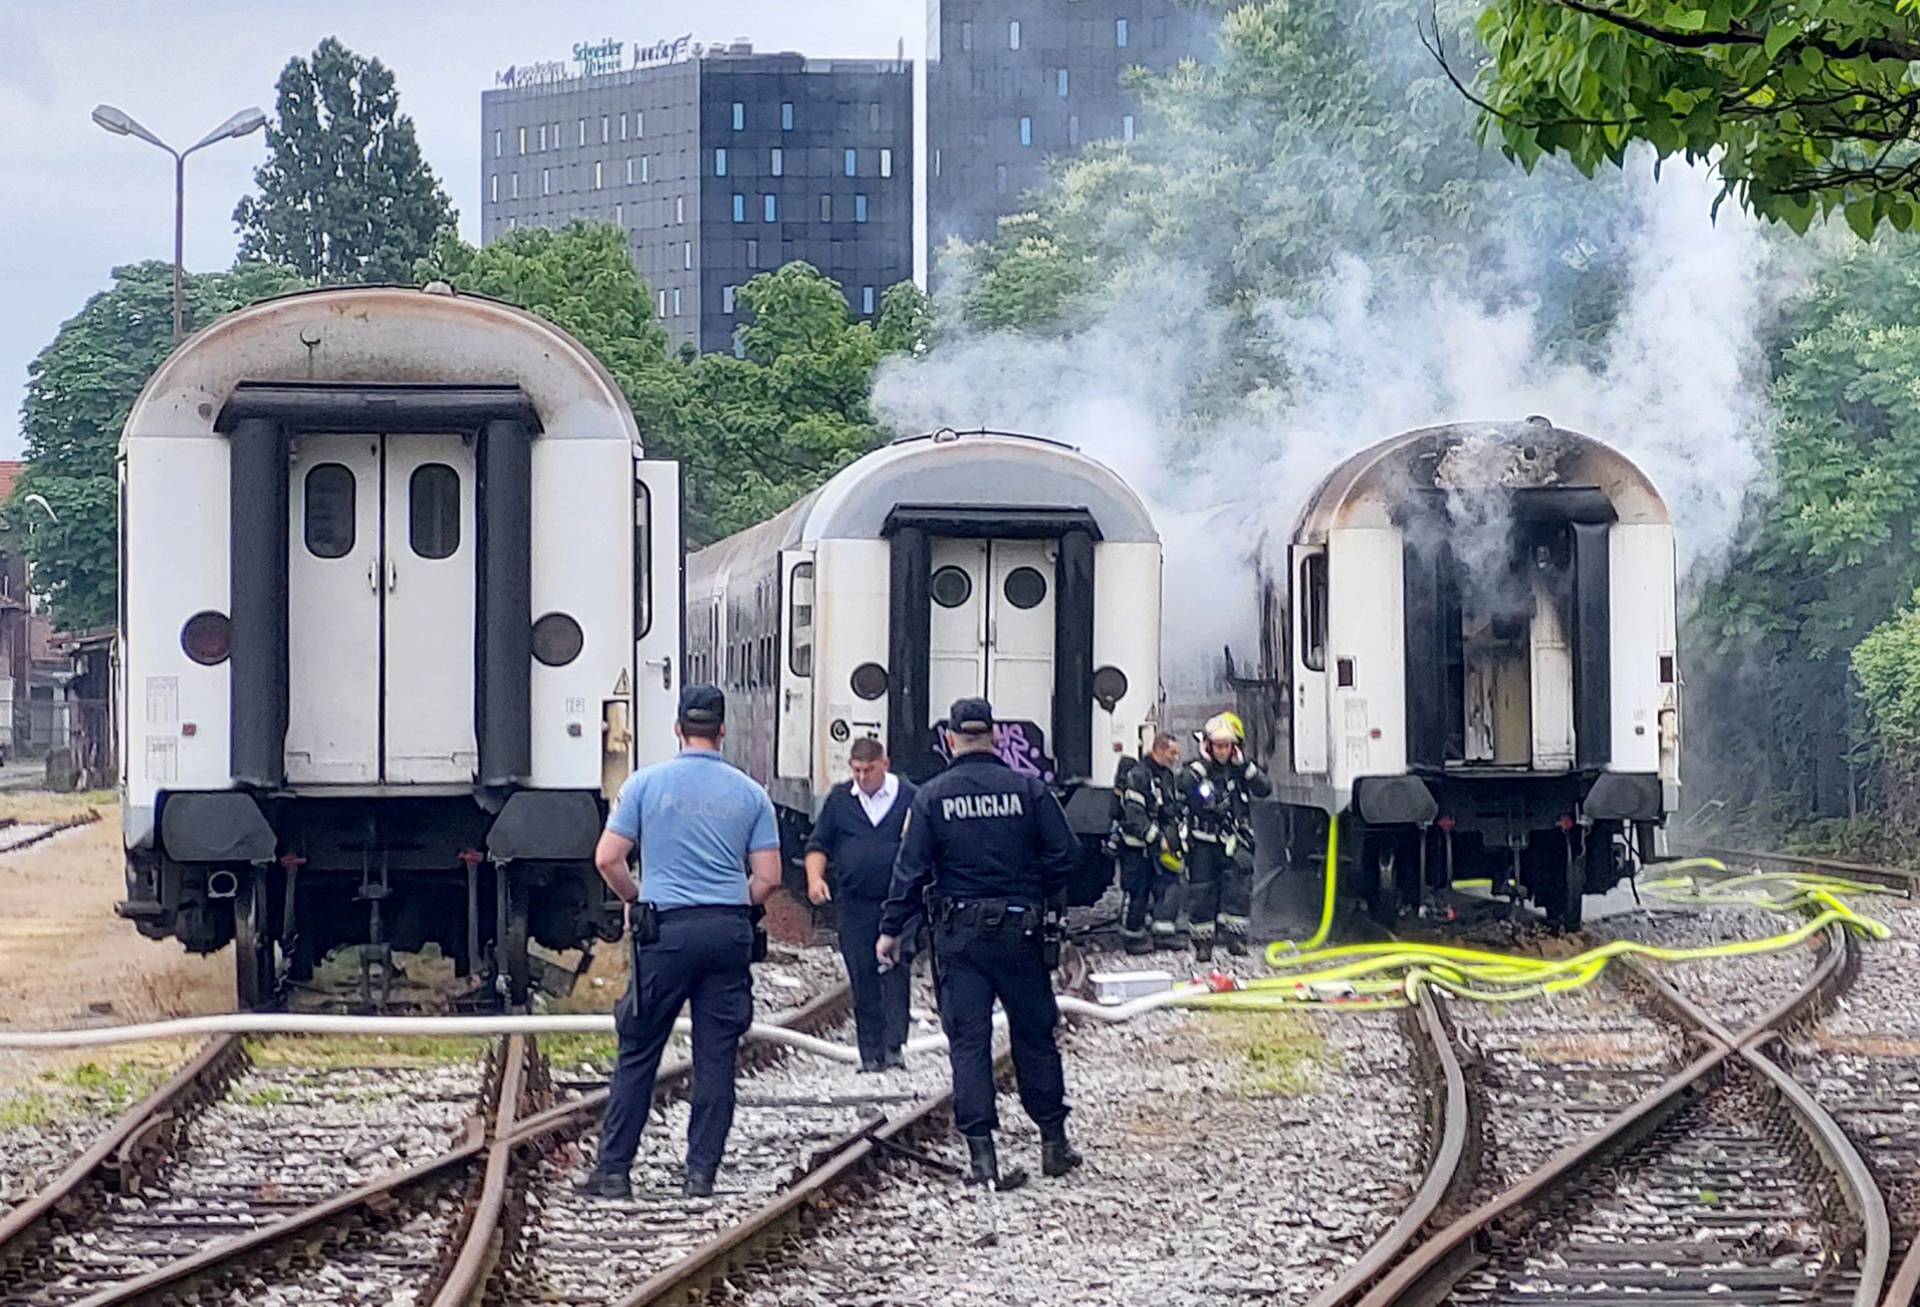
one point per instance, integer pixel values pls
(79, 392)
(344, 193)
(1887, 666)
(1805, 106)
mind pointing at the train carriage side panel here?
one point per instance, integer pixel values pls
(177, 561)
(1644, 663)
(1366, 656)
(1126, 583)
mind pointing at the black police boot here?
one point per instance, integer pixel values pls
(985, 1162)
(1237, 943)
(1137, 944)
(699, 1184)
(1203, 948)
(1057, 1156)
(896, 1059)
(598, 1184)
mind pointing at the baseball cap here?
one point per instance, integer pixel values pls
(703, 705)
(970, 716)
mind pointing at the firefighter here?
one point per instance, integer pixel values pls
(1151, 847)
(1217, 791)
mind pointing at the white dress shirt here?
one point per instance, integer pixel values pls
(878, 804)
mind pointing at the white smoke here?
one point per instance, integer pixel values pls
(1678, 386)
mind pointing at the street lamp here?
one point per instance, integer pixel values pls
(122, 124)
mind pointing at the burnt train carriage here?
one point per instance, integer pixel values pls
(400, 608)
(938, 567)
(1474, 666)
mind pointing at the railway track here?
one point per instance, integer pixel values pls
(1728, 1179)
(16, 835)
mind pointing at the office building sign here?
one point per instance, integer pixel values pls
(663, 52)
(598, 57)
(534, 74)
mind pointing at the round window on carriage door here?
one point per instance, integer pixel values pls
(1025, 587)
(328, 519)
(951, 587)
(433, 511)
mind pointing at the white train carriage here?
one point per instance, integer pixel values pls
(938, 567)
(399, 610)
(1474, 666)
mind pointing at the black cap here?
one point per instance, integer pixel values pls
(970, 716)
(703, 705)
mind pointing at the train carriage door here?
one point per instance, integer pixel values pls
(658, 556)
(334, 577)
(957, 634)
(1309, 605)
(429, 592)
(795, 751)
(1020, 630)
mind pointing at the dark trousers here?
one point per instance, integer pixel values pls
(880, 999)
(703, 957)
(1151, 890)
(1219, 887)
(973, 966)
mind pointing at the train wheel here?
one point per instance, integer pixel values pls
(1382, 873)
(1557, 878)
(516, 966)
(256, 971)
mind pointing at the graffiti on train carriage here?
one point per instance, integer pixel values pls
(1021, 745)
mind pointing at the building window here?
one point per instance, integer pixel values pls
(826, 208)
(873, 116)
(679, 208)
(753, 254)
(1126, 127)
(493, 188)
(936, 161)
(676, 301)
(686, 256)
(739, 207)
(859, 208)
(496, 142)
(646, 167)
(770, 208)
(866, 299)
(598, 177)
(739, 115)
(523, 140)
(543, 136)
(786, 117)
(639, 122)
(726, 299)
(886, 163)
(1061, 79)
(720, 162)
(1073, 129)
(966, 36)
(620, 214)
(606, 129)
(1000, 178)
(513, 186)
(1120, 32)
(852, 162)
(777, 162)
(546, 181)
(1026, 131)
(623, 124)
(629, 170)
(663, 304)
(1013, 35)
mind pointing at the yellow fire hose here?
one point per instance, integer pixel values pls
(1391, 974)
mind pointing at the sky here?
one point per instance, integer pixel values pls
(82, 201)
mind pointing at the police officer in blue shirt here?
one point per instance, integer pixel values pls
(709, 852)
(989, 848)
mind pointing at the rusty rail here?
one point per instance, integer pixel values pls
(1427, 1269)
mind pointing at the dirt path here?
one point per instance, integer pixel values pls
(65, 958)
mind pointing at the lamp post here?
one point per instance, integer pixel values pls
(122, 124)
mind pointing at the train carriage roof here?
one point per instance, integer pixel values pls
(381, 335)
(984, 470)
(1370, 487)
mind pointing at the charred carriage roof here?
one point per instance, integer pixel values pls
(1543, 472)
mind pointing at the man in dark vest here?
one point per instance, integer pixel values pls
(857, 838)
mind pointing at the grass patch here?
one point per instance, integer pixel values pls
(28, 1109)
(368, 1050)
(569, 1052)
(1281, 1054)
(114, 1086)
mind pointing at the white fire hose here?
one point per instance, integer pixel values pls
(288, 1023)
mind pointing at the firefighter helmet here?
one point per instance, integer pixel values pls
(1226, 726)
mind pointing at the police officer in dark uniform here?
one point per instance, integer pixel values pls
(991, 850)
